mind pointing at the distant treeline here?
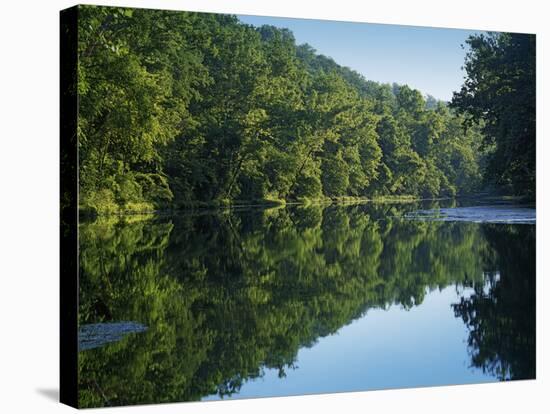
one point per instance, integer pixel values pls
(180, 108)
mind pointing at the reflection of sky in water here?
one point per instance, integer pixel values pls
(393, 348)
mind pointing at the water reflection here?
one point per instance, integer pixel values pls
(500, 316)
(228, 295)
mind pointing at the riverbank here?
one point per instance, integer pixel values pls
(144, 208)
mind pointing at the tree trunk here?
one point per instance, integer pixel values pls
(300, 170)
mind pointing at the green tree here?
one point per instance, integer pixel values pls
(500, 94)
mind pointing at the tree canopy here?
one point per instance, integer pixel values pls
(499, 94)
(181, 108)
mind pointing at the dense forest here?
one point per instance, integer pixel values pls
(182, 109)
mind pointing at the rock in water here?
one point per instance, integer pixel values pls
(99, 334)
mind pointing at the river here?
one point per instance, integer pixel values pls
(255, 302)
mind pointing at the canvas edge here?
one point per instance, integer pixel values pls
(68, 340)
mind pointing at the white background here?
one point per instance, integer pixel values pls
(29, 181)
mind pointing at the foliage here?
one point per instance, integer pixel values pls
(180, 108)
(500, 95)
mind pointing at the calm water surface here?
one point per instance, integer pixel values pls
(253, 302)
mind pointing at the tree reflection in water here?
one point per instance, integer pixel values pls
(229, 294)
(500, 314)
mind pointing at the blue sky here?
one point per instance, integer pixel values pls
(427, 59)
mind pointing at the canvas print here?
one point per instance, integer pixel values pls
(257, 206)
